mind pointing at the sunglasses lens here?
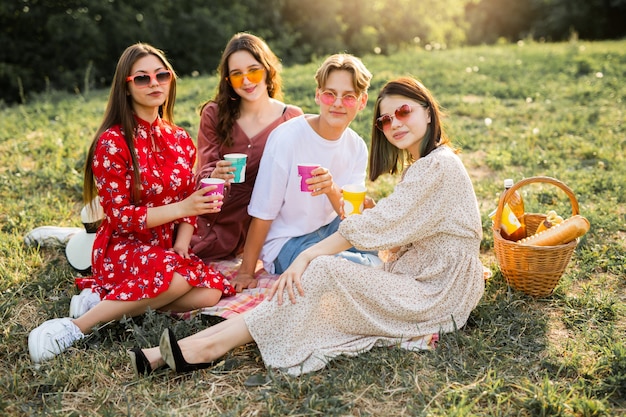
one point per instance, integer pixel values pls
(141, 80)
(349, 101)
(403, 112)
(327, 98)
(163, 77)
(383, 122)
(236, 80)
(255, 76)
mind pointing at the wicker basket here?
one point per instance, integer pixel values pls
(535, 270)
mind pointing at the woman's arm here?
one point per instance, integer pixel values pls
(194, 205)
(183, 238)
(208, 142)
(332, 245)
(257, 232)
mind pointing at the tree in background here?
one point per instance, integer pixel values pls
(589, 19)
(490, 20)
(72, 44)
(553, 20)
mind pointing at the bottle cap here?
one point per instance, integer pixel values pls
(508, 183)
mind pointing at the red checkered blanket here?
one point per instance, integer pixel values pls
(241, 302)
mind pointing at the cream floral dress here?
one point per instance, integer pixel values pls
(431, 284)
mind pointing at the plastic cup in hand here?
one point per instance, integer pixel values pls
(353, 198)
(238, 160)
(304, 171)
(206, 182)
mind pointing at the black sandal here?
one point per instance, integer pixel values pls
(141, 364)
(174, 357)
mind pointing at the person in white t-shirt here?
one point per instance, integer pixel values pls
(285, 220)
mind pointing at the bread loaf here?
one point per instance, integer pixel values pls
(559, 234)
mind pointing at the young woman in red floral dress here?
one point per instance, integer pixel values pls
(140, 166)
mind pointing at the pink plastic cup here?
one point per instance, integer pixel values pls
(206, 182)
(304, 171)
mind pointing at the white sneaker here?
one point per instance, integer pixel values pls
(51, 338)
(50, 236)
(83, 302)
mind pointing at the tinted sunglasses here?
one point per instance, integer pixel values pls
(402, 113)
(329, 98)
(144, 80)
(254, 76)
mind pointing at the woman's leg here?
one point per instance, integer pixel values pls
(108, 310)
(212, 347)
(194, 299)
(217, 340)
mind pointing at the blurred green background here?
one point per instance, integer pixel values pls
(74, 44)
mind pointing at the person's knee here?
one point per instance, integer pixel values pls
(178, 286)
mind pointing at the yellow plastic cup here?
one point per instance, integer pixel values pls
(353, 198)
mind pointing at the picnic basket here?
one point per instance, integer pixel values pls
(534, 270)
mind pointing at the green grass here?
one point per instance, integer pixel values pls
(556, 110)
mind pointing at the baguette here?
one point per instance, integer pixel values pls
(559, 234)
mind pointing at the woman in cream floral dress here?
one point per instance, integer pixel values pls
(324, 306)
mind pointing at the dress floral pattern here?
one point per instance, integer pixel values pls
(431, 284)
(129, 260)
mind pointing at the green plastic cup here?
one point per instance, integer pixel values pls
(238, 160)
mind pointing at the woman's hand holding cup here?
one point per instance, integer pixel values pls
(201, 202)
(224, 170)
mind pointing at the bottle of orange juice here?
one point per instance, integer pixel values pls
(512, 225)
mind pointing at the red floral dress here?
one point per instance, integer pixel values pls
(131, 261)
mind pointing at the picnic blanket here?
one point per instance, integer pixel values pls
(234, 305)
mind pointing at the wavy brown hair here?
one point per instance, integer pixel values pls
(384, 157)
(119, 111)
(227, 100)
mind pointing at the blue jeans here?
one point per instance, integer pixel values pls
(295, 245)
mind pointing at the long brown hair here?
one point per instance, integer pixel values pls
(119, 111)
(386, 158)
(227, 99)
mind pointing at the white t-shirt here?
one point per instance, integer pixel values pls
(276, 195)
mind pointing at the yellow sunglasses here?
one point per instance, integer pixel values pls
(254, 76)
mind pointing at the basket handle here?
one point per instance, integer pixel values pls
(503, 199)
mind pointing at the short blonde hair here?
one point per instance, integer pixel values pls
(360, 75)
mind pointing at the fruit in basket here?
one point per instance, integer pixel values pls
(559, 234)
(551, 219)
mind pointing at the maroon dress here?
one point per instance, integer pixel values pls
(222, 235)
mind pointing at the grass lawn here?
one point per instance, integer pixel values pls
(516, 111)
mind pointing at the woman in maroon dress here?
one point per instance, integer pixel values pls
(140, 166)
(246, 108)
